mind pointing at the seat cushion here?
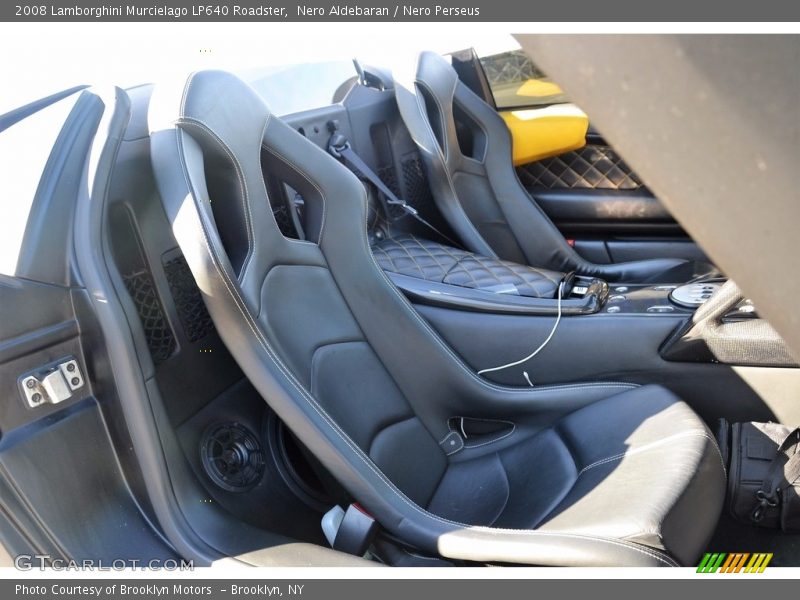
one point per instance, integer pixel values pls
(431, 261)
(639, 466)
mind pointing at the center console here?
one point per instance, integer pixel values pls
(607, 331)
(658, 299)
(580, 296)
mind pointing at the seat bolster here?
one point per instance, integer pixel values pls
(549, 549)
(649, 471)
(636, 468)
(700, 502)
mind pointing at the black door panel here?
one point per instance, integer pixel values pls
(68, 485)
(599, 203)
(606, 211)
(65, 446)
(38, 328)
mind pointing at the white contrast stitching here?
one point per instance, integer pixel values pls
(259, 336)
(193, 121)
(441, 154)
(411, 312)
(307, 177)
(643, 448)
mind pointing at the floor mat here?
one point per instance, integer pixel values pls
(732, 536)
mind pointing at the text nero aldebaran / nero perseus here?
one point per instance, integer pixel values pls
(400, 10)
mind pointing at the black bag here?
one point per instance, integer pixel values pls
(764, 474)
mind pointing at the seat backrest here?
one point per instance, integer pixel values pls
(466, 149)
(283, 286)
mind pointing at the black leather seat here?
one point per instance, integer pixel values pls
(477, 189)
(581, 474)
(416, 257)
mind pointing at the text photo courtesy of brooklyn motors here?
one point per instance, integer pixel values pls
(102, 590)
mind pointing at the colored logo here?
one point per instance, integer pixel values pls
(737, 562)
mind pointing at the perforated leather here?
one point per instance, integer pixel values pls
(415, 257)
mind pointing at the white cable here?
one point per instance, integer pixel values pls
(540, 348)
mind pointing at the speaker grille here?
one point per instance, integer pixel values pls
(232, 457)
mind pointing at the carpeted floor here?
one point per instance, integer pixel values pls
(732, 536)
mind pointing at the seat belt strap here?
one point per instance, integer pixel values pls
(791, 449)
(340, 148)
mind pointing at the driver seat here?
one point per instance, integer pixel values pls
(477, 190)
(586, 474)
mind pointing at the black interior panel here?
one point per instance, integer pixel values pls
(605, 249)
(610, 347)
(93, 515)
(369, 119)
(605, 210)
(195, 383)
(66, 446)
(82, 447)
(271, 504)
(599, 203)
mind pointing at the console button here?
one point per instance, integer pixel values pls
(693, 295)
(660, 309)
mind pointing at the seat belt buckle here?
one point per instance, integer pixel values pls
(409, 209)
(350, 531)
(338, 144)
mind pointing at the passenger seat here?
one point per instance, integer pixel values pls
(479, 193)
